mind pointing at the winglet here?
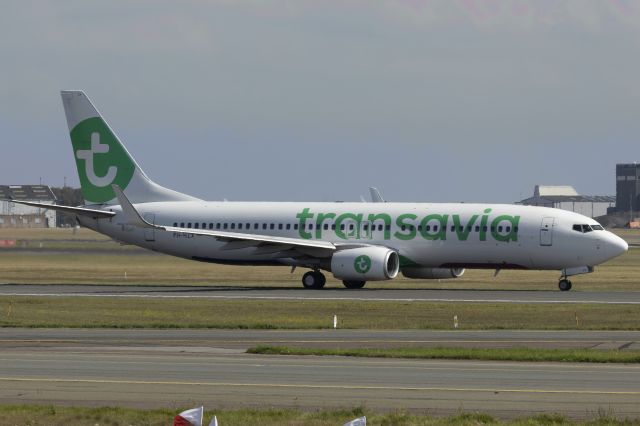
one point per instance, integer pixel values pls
(131, 215)
(376, 197)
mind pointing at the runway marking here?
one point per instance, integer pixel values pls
(303, 386)
(361, 299)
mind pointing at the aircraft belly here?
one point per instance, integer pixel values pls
(471, 254)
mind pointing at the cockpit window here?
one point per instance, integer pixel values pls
(584, 228)
(597, 227)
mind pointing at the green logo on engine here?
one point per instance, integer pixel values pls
(362, 264)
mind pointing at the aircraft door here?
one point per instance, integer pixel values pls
(546, 231)
(150, 233)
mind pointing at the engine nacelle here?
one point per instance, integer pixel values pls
(365, 264)
(419, 272)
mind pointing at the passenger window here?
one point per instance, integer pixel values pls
(404, 228)
(515, 229)
(225, 226)
(189, 225)
(351, 227)
(272, 226)
(311, 226)
(233, 226)
(175, 224)
(248, 226)
(333, 226)
(508, 229)
(379, 227)
(288, 226)
(326, 226)
(218, 225)
(255, 226)
(196, 225)
(239, 226)
(427, 228)
(453, 228)
(388, 227)
(181, 224)
(499, 228)
(295, 226)
(484, 228)
(477, 228)
(204, 226)
(279, 226)
(342, 226)
(264, 226)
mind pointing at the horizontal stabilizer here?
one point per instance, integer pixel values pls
(131, 215)
(80, 211)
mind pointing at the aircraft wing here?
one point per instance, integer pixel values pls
(68, 209)
(235, 240)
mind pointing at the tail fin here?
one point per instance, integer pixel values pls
(103, 161)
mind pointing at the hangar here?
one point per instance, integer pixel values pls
(567, 198)
(20, 216)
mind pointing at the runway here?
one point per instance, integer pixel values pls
(170, 368)
(206, 341)
(299, 293)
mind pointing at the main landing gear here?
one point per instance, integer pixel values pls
(313, 280)
(564, 284)
(353, 284)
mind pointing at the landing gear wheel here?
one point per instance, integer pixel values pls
(354, 284)
(564, 285)
(313, 280)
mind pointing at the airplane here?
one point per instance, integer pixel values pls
(356, 242)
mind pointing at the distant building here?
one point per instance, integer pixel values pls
(567, 198)
(628, 188)
(20, 216)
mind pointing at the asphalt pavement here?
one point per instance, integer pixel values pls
(299, 293)
(171, 368)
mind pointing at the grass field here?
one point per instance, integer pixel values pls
(111, 312)
(484, 354)
(96, 259)
(38, 415)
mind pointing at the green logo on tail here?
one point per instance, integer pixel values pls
(100, 159)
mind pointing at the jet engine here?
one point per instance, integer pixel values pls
(365, 264)
(419, 272)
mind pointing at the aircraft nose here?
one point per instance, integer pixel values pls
(616, 245)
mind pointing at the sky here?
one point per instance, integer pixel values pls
(295, 100)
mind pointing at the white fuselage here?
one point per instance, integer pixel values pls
(431, 235)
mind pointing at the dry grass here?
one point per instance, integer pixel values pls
(43, 234)
(114, 312)
(36, 415)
